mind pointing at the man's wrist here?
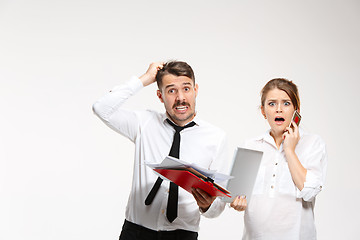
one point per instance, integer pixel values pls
(146, 79)
(203, 210)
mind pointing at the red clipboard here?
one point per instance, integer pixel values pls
(188, 178)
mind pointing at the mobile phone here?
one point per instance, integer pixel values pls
(296, 118)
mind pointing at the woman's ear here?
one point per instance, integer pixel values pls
(263, 112)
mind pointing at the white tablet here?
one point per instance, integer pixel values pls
(246, 165)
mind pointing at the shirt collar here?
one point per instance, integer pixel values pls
(269, 139)
(196, 119)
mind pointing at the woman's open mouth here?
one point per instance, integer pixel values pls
(279, 120)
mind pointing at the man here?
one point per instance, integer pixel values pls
(156, 209)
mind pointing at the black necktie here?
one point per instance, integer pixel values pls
(172, 206)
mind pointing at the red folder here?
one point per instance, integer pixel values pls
(188, 178)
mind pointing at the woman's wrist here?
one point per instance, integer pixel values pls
(289, 153)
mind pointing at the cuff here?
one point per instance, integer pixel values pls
(214, 210)
(134, 84)
(312, 187)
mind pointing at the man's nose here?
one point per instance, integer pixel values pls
(180, 96)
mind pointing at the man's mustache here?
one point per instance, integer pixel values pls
(179, 103)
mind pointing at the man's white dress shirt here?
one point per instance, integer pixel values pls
(202, 144)
(278, 210)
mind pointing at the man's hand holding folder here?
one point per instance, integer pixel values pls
(203, 199)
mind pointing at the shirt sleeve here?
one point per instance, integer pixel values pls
(315, 164)
(223, 165)
(109, 109)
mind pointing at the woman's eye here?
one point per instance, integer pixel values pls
(287, 103)
(271, 104)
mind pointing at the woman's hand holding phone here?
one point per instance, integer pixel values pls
(291, 137)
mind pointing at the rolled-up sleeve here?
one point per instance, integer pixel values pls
(109, 108)
(315, 164)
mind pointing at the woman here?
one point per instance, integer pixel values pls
(291, 173)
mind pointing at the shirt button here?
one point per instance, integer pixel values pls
(273, 175)
(272, 187)
(276, 163)
(162, 211)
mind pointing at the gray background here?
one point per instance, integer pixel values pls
(64, 175)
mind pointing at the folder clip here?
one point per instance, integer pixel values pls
(208, 179)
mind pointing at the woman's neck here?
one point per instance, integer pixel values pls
(278, 138)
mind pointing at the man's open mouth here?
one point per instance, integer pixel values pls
(181, 108)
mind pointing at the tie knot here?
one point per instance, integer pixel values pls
(179, 128)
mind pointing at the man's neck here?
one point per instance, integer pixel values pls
(181, 123)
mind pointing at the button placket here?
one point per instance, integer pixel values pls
(162, 213)
(273, 176)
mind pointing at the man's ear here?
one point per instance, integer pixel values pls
(158, 92)
(196, 88)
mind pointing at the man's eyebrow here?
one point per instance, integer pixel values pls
(169, 86)
(172, 85)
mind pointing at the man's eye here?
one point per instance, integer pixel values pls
(171, 91)
(187, 89)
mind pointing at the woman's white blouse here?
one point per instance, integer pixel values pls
(278, 209)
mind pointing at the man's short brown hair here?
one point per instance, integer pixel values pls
(176, 68)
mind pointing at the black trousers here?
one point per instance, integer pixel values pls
(132, 231)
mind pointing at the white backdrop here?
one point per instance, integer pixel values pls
(65, 175)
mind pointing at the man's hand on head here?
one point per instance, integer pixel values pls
(149, 77)
(203, 199)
